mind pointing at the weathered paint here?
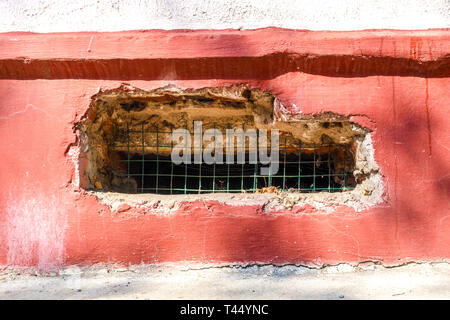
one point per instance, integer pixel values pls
(394, 82)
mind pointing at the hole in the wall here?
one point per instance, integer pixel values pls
(126, 144)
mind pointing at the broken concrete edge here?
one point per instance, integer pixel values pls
(370, 192)
(186, 266)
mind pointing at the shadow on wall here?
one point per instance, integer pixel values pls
(422, 181)
(256, 68)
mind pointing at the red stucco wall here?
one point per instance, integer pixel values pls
(394, 82)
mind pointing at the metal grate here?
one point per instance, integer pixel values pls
(144, 168)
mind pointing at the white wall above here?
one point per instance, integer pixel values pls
(117, 15)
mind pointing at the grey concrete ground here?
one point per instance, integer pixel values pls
(369, 281)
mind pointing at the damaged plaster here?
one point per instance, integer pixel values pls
(235, 106)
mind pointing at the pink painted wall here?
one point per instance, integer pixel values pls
(395, 82)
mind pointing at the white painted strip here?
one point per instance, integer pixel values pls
(117, 15)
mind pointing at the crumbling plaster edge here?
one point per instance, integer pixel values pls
(322, 202)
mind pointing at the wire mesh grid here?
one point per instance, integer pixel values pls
(146, 169)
